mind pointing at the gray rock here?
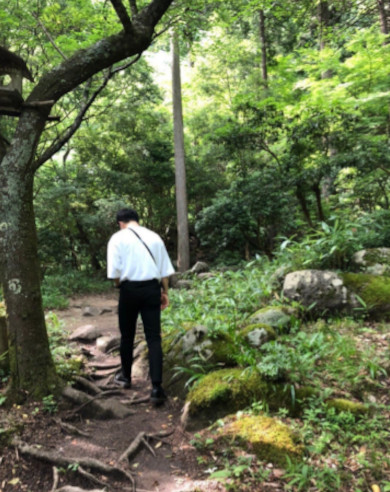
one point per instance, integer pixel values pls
(206, 275)
(274, 316)
(90, 311)
(107, 343)
(183, 284)
(257, 337)
(87, 333)
(200, 267)
(196, 341)
(319, 290)
(375, 261)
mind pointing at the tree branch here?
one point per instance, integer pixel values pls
(133, 7)
(49, 36)
(71, 130)
(122, 14)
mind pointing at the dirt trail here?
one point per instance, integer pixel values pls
(171, 468)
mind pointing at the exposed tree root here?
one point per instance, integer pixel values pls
(94, 409)
(55, 479)
(133, 448)
(55, 458)
(70, 429)
(88, 386)
(142, 438)
(69, 488)
(136, 401)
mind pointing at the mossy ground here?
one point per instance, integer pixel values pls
(344, 405)
(228, 390)
(267, 437)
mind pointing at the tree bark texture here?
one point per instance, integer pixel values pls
(32, 368)
(383, 12)
(31, 365)
(183, 248)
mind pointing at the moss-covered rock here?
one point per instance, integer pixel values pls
(375, 261)
(257, 334)
(267, 437)
(373, 290)
(344, 405)
(192, 344)
(277, 317)
(227, 390)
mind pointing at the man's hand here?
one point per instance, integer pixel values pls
(164, 300)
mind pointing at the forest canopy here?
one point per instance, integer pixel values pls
(286, 117)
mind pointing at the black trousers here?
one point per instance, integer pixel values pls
(143, 297)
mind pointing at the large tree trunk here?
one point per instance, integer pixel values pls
(32, 369)
(183, 247)
(31, 365)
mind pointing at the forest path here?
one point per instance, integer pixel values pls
(168, 465)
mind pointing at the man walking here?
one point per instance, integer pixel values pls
(138, 262)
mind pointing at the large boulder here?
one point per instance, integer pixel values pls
(375, 261)
(322, 291)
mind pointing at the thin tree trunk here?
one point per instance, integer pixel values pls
(383, 17)
(263, 41)
(183, 248)
(302, 201)
(317, 192)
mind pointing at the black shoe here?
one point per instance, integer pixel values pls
(158, 396)
(121, 380)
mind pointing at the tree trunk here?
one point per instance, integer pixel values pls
(31, 365)
(383, 17)
(183, 247)
(302, 201)
(317, 191)
(263, 41)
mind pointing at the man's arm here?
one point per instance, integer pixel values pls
(164, 293)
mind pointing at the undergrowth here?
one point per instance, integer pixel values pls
(337, 357)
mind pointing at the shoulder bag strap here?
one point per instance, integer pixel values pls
(143, 242)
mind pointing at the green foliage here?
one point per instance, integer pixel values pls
(68, 364)
(246, 217)
(49, 404)
(57, 288)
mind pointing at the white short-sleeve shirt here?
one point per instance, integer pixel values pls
(128, 258)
